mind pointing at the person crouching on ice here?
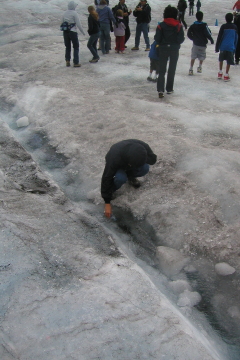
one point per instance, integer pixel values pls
(125, 161)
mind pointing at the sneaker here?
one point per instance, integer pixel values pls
(199, 69)
(134, 182)
(160, 95)
(149, 78)
(147, 49)
(135, 48)
(220, 75)
(190, 72)
(155, 80)
(226, 77)
(67, 63)
(122, 52)
(116, 52)
(77, 65)
(170, 92)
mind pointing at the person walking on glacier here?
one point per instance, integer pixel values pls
(169, 37)
(226, 43)
(125, 161)
(199, 33)
(70, 23)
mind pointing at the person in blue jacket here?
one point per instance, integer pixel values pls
(199, 33)
(154, 63)
(226, 43)
(105, 18)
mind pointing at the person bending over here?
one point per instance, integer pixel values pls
(125, 161)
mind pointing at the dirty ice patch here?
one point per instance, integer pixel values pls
(35, 100)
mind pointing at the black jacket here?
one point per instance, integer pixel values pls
(199, 33)
(182, 5)
(120, 156)
(124, 9)
(93, 25)
(143, 16)
(169, 33)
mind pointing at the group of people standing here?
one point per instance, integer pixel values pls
(167, 40)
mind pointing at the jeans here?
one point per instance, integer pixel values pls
(142, 28)
(166, 53)
(105, 37)
(71, 37)
(92, 45)
(121, 176)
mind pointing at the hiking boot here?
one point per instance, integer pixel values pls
(135, 48)
(77, 65)
(94, 60)
(190, 72)
(199, 69)
(220, 75)
(134, 182)
(67, 63)
(160, 95)
(226, 77)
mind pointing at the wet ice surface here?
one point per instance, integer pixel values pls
(189, 202)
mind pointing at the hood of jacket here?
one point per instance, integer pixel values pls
(72, 5)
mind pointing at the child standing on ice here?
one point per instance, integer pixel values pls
(119, 32)
(199, 33)
(154, 63)
(226, 43)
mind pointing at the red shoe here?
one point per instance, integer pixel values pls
(220, 75)
(226, 77)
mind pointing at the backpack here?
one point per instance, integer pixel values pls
(65, 26)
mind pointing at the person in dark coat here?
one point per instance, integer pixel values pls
(182, 5)
(142, 13)
(94, 32)
(198, 5)
(191, 6)
(169, 37)
(122, 6)
(237, 23)
(199, 33)
(125, 161)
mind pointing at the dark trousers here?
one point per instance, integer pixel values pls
(71, 37)
(167, 54)
(237, 52)
(190, 10)
(181, 18)
(127, 33)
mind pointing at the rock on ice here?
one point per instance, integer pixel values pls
(171, 261)
(179, 286)
(224, 269)
(23, 121)
(189, 298)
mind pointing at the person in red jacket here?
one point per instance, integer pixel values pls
(237, 5)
